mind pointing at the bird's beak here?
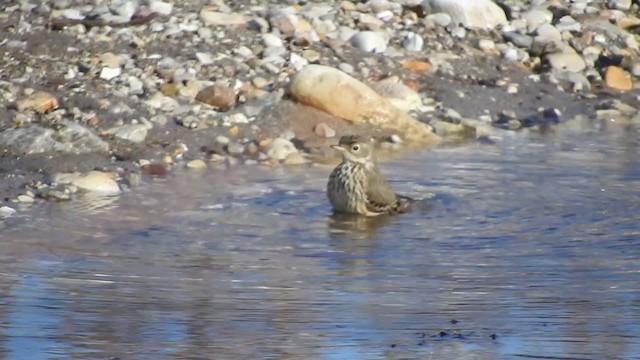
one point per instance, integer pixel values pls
(337, 147)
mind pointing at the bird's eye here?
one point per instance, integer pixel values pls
(355, 147)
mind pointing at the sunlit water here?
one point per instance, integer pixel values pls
(529, 248)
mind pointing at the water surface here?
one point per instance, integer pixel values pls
(525, 249)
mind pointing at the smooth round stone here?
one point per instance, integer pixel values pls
(510, 54)
(486, 45)
(25, 198)
(369, 41)
(458, 32)
(440, 19)
(271, 40)
(196, 164)
(413, 42)
(347, 68)
(294, 159)
(235, 148)
(280, 148)
(6, 211)
(97, 181)
(221, 139)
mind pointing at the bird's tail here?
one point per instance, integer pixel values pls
(403, 203)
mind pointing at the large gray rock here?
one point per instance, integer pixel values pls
(479, 14)
(35, 139)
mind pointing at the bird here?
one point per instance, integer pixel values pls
(356, 185)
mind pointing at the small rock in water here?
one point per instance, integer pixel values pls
(135, 133)
(155, 169)
(24, 198)
(280, 148)
(6, 211)
(196, 164)
(96, 181)
(294, 159)
(324, 130)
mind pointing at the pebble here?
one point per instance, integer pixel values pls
(294, 159)
(413, 42)
(219, 96)
(235, 148)
(135, 133)
(93, 181)
(160, 7)
(566, 61)
(108, 73)
(481, 14)
(616, 78)
(210, 16)
(440, 19)
(39, 101)
(486, 45)
(369, 41)
(196, 164)
(324, 130)
(6, 211)
(25, 199)
(280, 148)
(204, 58)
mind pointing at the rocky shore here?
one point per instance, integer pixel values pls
(100, 95)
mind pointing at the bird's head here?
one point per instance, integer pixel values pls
(355, 148)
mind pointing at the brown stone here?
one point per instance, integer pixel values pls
(234, 131)
(283, 23)
(39, 101)
(616, 78)
(336, 93)
(222, 97)
(155, 169)
(264, 143)
(169, 89)
(416, 65)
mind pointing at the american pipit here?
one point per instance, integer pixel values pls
(356, 186)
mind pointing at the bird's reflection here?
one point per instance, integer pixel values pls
(357, 226)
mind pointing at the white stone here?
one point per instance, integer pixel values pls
(481, 14)
(132, 132)
(486, 45)
(98, 182)
(536, 17)
(216, 18)
(619, 4)
(204, 58)
(566, 61)
(6, 211)
(271, 40)
(297, 61)
(441, 19)
(25, 198)
(108, 73)
(369, 41)
(280, 148)
(413, 42)
(161, 7)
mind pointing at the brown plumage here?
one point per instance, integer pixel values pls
(356, 186)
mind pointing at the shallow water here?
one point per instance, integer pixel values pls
(525, 249)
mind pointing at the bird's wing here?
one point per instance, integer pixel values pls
(380, 196)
